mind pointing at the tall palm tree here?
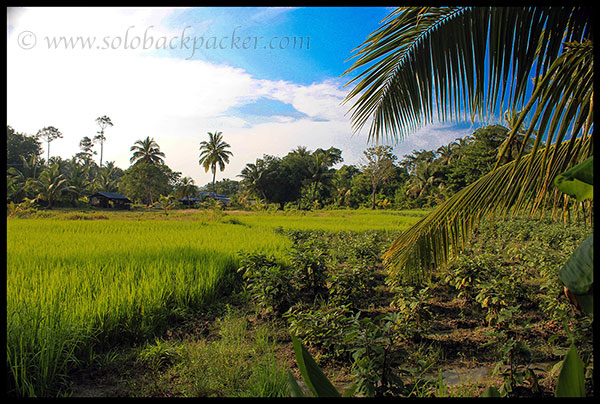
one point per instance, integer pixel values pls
(213, 153)
(146, 150)
(429, 56)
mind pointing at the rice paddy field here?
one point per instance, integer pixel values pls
(80, 282)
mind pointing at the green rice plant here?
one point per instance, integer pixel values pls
(334, 220)
(76, 286)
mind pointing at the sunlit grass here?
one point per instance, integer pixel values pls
(74, 285)
(82, 281)
(334, 220)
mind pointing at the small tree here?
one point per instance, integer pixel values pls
(85, 155)
(167, 203)
(379, 167)
(145, 181)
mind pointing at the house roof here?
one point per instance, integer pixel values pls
(112, 195)
(213, 195)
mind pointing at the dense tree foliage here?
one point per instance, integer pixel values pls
(302, 179)
(19, 145)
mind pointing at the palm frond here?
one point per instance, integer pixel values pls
(452, 59)
(428, 245)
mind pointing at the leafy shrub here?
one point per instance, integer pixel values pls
(309, 264)
(412, 310)
(351, 284)
(324, 326)
(268, 282)
(376, 354)
(26, 208)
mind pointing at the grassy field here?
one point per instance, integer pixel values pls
(82, 281)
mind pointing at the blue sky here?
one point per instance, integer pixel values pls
(328, 34)
(266, 97)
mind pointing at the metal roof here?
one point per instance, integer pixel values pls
(111, 195)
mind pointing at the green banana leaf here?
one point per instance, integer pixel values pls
(295, 389)
(578, 274)
(571, 381)
(578, 182)
(314, 378)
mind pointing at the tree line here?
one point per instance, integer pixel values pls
(302, 179)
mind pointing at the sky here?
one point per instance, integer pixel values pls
(269, 79)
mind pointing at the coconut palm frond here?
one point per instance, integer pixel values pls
(445, 60)
(430, 243)
(561, 103)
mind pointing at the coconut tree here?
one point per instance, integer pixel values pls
(446, 153)
(214, 152)
(50, 185)
(319, 173)
(254, 176)
(79, 182)
(453, 63)
(146, 150)
(512, 149)
(186, 187)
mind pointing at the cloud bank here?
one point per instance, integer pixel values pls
(173, 100)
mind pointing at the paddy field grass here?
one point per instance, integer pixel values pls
(78, 282)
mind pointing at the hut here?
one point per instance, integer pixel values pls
(110, 200)
(189, 200)
(217, 197)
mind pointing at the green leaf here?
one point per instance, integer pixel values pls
(314, 378)
(578, 272)
(350, 390)
(295, 389)
(578, 182)
(491, 392)
(571, 381)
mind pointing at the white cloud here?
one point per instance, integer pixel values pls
(174, 101)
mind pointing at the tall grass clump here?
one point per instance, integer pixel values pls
(78, 286)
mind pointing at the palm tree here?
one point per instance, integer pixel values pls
(254, 175)
(186, 187)
(214, 152)
(50, 185)
(461, 144)
(411, 161)
(79, 182)
(428, 56)
(422, 181)
(319, 173)
(446, 153)
(512, 149)
(103, 182)
(146, 150)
